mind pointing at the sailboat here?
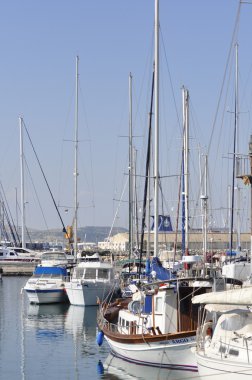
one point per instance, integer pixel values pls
(224, 343)
(236, 268)
(157, 327)
(92, 279)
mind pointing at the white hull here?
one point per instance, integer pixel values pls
(39, 296)
(216, 369)
(176, 356)
(87, 293)
(123, 369)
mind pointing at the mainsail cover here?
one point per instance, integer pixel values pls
(242, 296)
(161, 272)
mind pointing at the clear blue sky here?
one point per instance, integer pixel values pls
(39, 42)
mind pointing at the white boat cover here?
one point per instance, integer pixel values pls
(241, 296)
(225, 308)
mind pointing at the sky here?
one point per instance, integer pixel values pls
(39, 44)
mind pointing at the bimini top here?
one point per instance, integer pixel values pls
(54, 271)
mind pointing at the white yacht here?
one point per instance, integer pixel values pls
(47, 284)
(224, 340)
(16, 254)
(91, 282)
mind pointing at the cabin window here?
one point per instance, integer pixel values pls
(90, 273)
(222, 349)
(12, 254)
(123, 322)
(78, 273)
(127, 324)
(233, 352)
(1, 254)
(158, 307)
(103, 273)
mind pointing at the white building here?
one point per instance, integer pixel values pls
(116, 243)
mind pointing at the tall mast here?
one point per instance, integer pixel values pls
(235, 144)
(130, 168)
(156, 157)
(186, 164)
(204, 199)
(22, 182)
(76, 159)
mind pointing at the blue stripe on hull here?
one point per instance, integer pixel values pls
(174, 367)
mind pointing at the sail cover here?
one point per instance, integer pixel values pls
(161, 272)
(241, 296)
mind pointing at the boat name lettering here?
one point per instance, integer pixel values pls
(182, 340)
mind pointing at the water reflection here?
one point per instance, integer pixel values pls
(81, 321)
(48, 321)
(125, 370)
(46, 341)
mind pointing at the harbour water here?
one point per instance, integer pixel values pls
(57, 342)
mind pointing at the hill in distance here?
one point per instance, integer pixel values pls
(88, 234)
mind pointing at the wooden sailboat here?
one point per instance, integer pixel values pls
(158, 326)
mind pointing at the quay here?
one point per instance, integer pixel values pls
(17, 268)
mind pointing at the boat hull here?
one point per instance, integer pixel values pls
(176, 355)
(215, 369)
(86, 294)
(45, 296)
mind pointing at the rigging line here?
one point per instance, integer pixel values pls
(223, 115)
(147, 173)
(110, 232)
(148, 64)
(116, 151)
(8, 208)
(9, 224)
(172, 88)
(221, 124)
(27, 232)
(89, 136)
(62, 143)
(225, 73)
(178, 208)
(42, 171)
(27, 167)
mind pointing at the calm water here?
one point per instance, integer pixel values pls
(56, 342)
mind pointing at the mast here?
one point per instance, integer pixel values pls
(130, 169)
(135, 230)
(147, 190)
(22, 182)
(250, 161)
(156, 156)
(76, 159)
(204, 199)
(235, 143)
(186, 164)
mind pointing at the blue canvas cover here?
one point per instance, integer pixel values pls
(231, 253)
(161, 272)
(57, 271)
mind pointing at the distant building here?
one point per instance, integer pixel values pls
(116, 243)
(217, 241)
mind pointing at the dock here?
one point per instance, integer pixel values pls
(17, 268)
